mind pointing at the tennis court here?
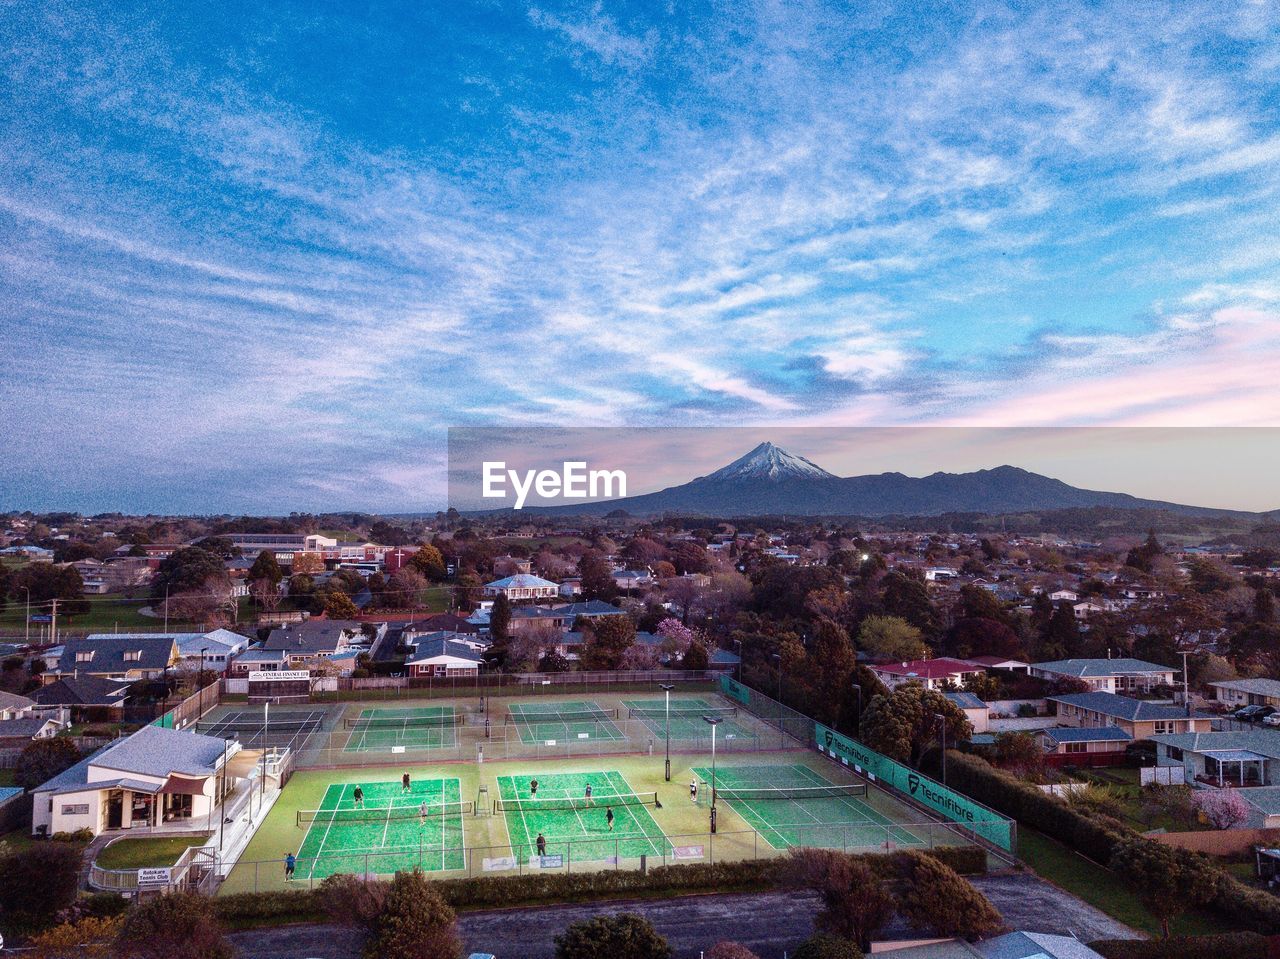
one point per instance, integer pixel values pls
(553, 723)
(387, 833)
(686, 718)
(379, 729)
(239, 723)
(792, 805)
(573, 828)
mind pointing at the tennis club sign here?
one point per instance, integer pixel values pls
(735, 690)
(948, 803)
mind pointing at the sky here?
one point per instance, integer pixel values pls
(259, 257)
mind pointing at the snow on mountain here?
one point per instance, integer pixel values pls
(770, 462)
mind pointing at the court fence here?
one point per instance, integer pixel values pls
(591, 855)
(499, 683)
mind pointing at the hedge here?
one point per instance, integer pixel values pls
(1095, 836)
(1227, 945)
(491, 892)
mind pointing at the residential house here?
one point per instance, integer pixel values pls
(632, 580)
(1064, 596)
(84, 698)
(1246, 757)
(974, 709)
(931, 673)
(255, 659)
(1139, 718)
(1085, 745)
(127, 656)
(13, 706)
(441, 656)
(154, 777)
(560, 617)
(522, 587)
(1087, 609)
(17, 733)
(1000, 662)
(1013, 945)
(1108, 675)
(1247, 692)
(307, 644)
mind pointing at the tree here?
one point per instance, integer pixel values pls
(407, 587)
(979, 636)
(908, 598)
(266, 594)
(730, 950)
(597, 577)
(428, 561)
(904, 723)
(934, 896)
(1223, 808)
(340, 606)
(42, 759)
(415, 923)
(1168, 881)
(856, 902)
(1019, 753)
(835, 660)
(891, 637)
(826, 946)
(695, 657)
(266, 567)
(500, 619)
(608, 639)
(48, 582)
(1061, 636)
(181, 925)
(37, 882)
(89, 938)
(189, 569)
(1142, 557)
(623, 936)
(309, 563)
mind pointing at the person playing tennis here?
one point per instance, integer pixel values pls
(608, 817)
(404, 783)
(533, 787)
(358, 797)
(422, 813)
(588, 794)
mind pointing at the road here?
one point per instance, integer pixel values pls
(767, 923)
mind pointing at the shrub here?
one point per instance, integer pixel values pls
(42, 760)
(730, 950)
(353, 900)
(934, 896)
(1236, 945)
(1096, 798)
(624, 936)
(825, 946)
(416, 922)
(1168, 881)
(856, 901)
(87, 938)
(36, 883)
(176, 926)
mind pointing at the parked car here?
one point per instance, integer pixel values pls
(1272, 720)
(1247, 713)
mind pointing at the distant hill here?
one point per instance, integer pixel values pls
(770, 481)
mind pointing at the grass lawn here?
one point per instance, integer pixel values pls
(1102, 888)
(148, 851)
(105, 613)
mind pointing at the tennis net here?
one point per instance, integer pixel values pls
(683, 712)
(373, 814)
(582, 716)
(403, 722)
(835, 791)
(536, 804)
(282, 726)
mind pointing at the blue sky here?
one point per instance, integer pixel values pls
(256, 257)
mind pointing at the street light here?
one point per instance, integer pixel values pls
(200, 677)
(713, 721)
(27, 636)
(667, 689)
(942, 730)
(777, 657)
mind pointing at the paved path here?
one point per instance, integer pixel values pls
(767, 923)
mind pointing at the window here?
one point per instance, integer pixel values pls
(84, 656)
(1077, 747)
(133, 656)
(1163, 726)
(1174, 753)
(78, 809)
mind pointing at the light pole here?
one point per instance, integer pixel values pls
(200, 676)
(667, 690)
(777, 657)
(1186, 686)
(27, 635)
(713, 722)
(942, 732)
(859, 716)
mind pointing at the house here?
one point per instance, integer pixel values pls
(154, 777)
(219, 645)
(632, 579)
(1107, 675)
(932, 673)
(974, 709)
(442, 622)
(1086, 609)
(443, 657)
(1085, 746)
(560, 617)
(1140, 719)
(127, 656)
(257, 660)
(16, 733)
(86, 698)
(1013, 945)
(1064, 596)
(571, 588)
(522, 587)
(1246, 757)
(1000, 662)
(1247, 692)
(306, 644)
(938, 574)
(13, 706)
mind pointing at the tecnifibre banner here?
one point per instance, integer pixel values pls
(948, 803)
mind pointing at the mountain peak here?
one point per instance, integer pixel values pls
(770, 462)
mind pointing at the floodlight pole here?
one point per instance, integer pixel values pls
(942, 729)
(262, 794)
(781, 736)
(667, 690)
(859, 716)
(27, 636)
(713, 722)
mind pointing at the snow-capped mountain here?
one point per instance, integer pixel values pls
(769, 462)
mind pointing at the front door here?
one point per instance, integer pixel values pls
(115, 809)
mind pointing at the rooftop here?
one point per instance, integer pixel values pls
(1085, 668)
(1259, 687)
(929, 668)
(1264, 742)
(1121, 707)
(1097, 734)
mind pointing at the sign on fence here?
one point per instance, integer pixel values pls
(154, 876)
(735, 690)
(500, 864)
(686, 852)
(550, 862)
(948, 803)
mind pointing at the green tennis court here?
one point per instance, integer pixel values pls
(686, 719)
(798, 814)
(381, 729)
(574, 829)
(388, 833)
(552, 723)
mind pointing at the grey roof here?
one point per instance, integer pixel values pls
(1265, 742)
(1024, 945)
(1122, 707)
(82, 691)
(22, 728)
(1095, 734)
(14, 701)
(1266, 799)
(109, 651)
(120, 782)
(155, 751)
(966, 700)
(9, 792)
(256, 654)
(1259, 687)
(521, 581)
(315, 636)
(431, 648)
(1087, 668)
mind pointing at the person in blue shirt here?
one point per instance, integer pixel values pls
(289, 863)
